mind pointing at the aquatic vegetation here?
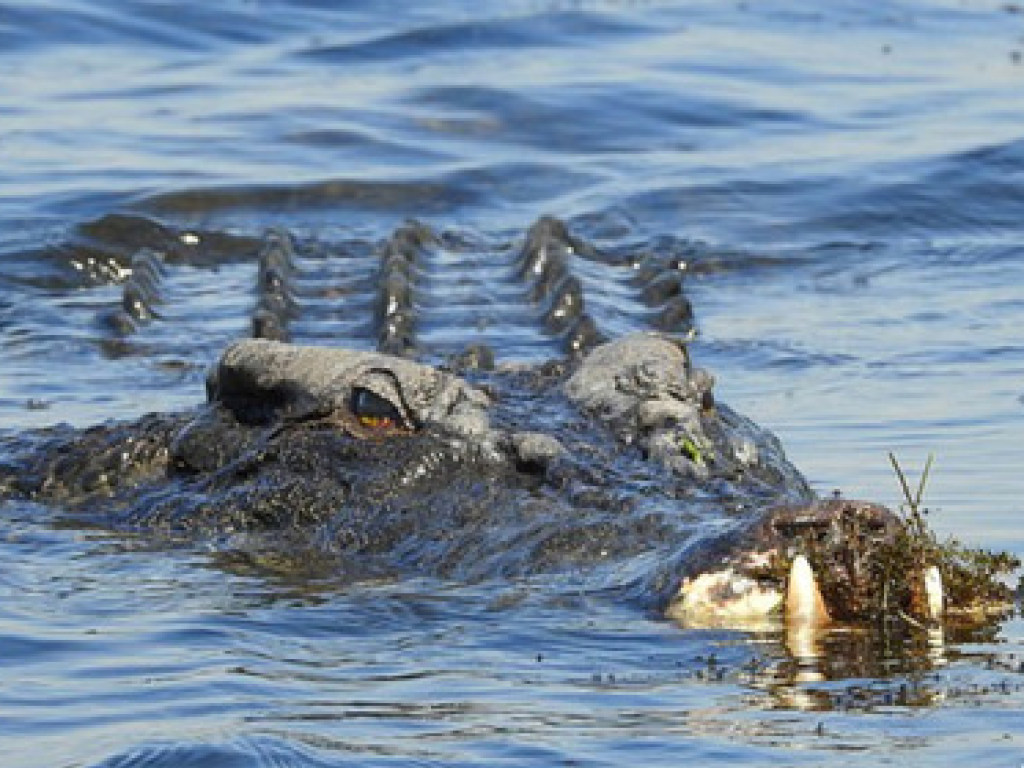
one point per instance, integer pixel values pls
(874, 566)
(974, 580)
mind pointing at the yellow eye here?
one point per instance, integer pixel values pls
(377, 422)
(375, 413)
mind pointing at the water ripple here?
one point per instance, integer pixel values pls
(843, 185)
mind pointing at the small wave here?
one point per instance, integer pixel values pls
(432, 196)
(441, 39)
(28, 26)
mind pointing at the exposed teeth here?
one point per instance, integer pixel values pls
(933, 592)
(804, 602)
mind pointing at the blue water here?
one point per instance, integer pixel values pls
(848, 180)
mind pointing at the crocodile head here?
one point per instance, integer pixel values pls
(617, 458)
(621, 465)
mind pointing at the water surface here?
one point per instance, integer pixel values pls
(846, 184)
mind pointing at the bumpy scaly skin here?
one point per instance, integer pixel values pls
(614, 465)
(622, 463)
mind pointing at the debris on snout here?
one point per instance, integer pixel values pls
(872, 564)
(842, 561)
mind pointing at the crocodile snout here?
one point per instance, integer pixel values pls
(817, 563)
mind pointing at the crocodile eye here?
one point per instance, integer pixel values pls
(374, 412)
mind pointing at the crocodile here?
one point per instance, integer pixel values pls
(614, 459)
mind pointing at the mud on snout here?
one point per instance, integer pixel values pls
(839, 561)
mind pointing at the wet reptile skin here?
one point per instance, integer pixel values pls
(612, 458)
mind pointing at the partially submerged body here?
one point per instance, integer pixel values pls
(621, 464)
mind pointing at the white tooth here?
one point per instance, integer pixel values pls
(803, 598)
(933, 591)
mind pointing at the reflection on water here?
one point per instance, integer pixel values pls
(898, 667)
(808, 668)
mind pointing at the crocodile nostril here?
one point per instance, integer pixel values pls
(535, 451)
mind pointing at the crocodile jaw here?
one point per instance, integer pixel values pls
(728, 598)
(725, 598)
